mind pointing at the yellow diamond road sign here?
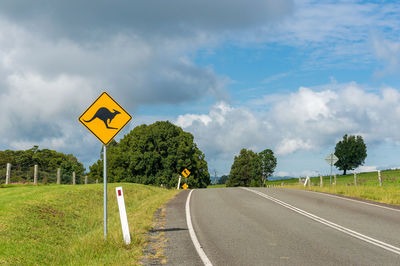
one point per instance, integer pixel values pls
(185, 186)
(105, 118)
(186, 172)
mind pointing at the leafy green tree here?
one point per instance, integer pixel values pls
(68, 165)
(242, 172)
(222, 180)
(351, 152)
(154, 154)
(263, 166)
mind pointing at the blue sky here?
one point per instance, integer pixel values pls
(291, 76)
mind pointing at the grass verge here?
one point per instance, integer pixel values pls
(388, 194)
(216, 186)
(53, 225)
(367, 186)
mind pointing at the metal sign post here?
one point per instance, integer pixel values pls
(105, 189)
(331, 159)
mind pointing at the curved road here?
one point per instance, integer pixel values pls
(274, 226)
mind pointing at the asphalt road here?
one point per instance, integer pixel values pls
(235, 226)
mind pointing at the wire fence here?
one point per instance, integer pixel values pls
(379, 178)
(47, 176)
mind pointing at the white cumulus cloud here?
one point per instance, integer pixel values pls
(307, 120)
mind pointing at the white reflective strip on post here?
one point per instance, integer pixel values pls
(179, 183)
(122, 215)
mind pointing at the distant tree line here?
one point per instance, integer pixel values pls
(23, 161)
(251, 169)
(154, 154)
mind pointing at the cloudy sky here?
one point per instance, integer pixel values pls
(292, 76)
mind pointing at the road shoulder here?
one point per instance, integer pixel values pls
(169, 240)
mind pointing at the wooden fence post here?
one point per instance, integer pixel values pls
(58, 176)
(86, 179)
(355, 178)
(8, 174)
(35, 174)
(380, 178)
(321, 181)
(97, 181)
(73, 178)
(335, 179)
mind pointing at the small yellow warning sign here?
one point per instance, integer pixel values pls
(105, 118)
(185, 186)
(186, 172)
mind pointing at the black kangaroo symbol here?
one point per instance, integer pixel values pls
(104, 115)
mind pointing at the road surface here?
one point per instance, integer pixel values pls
(237, 226)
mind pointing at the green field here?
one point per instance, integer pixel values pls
(367, 186)
(59, 225)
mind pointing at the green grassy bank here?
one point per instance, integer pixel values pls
(58, 225)
(388, 194)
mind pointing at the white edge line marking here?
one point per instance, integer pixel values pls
(330, 224)
(358, 201)
(193, 236)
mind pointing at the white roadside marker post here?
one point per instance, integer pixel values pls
(380, 178)
(8, 174)
(122, 215)
(179, 183)
(307, 180)
(58, 176)
(35, 172)
(355, 178)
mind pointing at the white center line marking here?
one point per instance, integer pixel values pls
(193, 236)
(330, 224)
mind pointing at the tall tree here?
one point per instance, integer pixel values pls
(242, 171)
(154, 154)
(351, 152)
(264, 166)
(222, 180)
